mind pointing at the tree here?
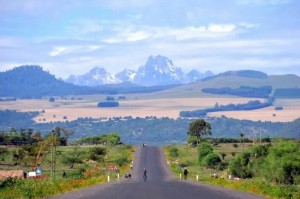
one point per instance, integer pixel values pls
(199, 128)
(98, 153)
(74, 157)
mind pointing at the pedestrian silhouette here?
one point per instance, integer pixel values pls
(145, 174)
(185, 173)
(64, 175)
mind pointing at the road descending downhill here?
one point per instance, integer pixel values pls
(160, 183)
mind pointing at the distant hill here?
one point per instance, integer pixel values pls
(33, 82)
(219, 81)
(240, 73)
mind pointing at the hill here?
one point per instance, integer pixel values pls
(33, 82)
(240, 73)
(233, 82)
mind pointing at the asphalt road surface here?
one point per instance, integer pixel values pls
(160, 183)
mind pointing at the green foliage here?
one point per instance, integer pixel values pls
(239, 166)
(74, 157)
(203, 150)
(110, 138)
(199, 128)
(173, 152)
(8, 182)
(98, 153)
(211, 160)
(282, 164)
(121, 161)
(192, 140)
(3, 151)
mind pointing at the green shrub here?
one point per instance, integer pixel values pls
(203, 150)
(185, 163)
(98, 153)
(8, 182)
(212, 160)
(239, 166)
(192, 140)
(174, 152)
(121, 161)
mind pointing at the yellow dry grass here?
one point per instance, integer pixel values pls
(166, 107)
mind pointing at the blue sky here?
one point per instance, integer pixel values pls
(72, 36)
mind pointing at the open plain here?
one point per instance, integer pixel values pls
(71, 108)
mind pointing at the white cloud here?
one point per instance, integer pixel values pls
(133, 34)
(221, 28)
(62, 50)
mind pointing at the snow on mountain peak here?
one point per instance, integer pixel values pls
(158, 70)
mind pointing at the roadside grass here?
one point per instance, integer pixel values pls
(188, 158)
(81, 176)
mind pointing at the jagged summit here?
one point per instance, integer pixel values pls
(158, 70)
(95, 77)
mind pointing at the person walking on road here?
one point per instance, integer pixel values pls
(145, 174)
(185, 173)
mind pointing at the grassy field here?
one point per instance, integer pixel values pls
(82, 175)
(73, 109)
(142, 106)
(188, 157)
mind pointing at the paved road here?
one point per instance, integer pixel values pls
(160, 183)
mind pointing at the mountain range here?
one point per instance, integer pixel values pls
(158, 70)
(159, 74)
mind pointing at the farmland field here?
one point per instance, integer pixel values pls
(143, 105)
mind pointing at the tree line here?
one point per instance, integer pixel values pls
(251, 105)
(242, 91)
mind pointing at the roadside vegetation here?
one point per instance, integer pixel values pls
(64, 168)
(270, 168)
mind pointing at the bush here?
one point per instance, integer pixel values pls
(8, 182)
(212, 160)
(239, 166)
(98, 153)
(121, 161)
(173, 152)
(192, 140)
(203, 150)
(185, 163)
